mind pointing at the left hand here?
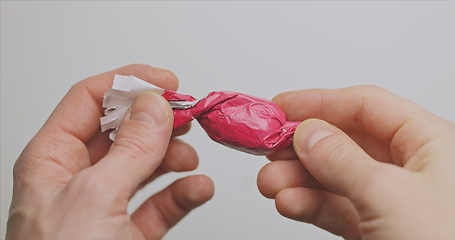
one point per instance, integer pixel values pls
(72, 182)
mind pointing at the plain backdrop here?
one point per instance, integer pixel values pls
(259, 48)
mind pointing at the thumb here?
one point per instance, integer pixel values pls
(334, 159)
(141, 142)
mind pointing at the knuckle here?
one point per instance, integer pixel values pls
(349, 221)
(136, 138)
(97, 186)
(77, 87)
(137, 68)
(313, 211)
(369, 88)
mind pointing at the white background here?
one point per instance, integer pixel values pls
(260, 48)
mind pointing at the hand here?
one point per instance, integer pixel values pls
(372, 165)
(72, 182)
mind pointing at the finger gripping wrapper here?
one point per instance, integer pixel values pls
(240, 121)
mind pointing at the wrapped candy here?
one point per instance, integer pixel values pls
(246, 123)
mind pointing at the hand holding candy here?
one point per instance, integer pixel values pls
(71, 182)
(243, 122)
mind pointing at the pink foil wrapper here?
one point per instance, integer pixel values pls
(243, 122)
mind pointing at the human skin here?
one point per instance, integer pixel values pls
(365, 164)
(72, 182)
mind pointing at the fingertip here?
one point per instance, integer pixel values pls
(287, 203)
(166, 208)
(137, 67)
(158, 76)
(300, 203)
(278, 97)
(263, 181)
(151, 108)
(287, 153)
(193, 191)
(168, 76)
(286, 100)
(279, 175)
(309, 133)
(146, 127)
(181, 130)
(180, 157)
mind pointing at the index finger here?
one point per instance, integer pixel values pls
(79, 112)
(401, 125)
(371, 108)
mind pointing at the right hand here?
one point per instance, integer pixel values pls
(366, 164)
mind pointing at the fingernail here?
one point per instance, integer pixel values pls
(151, 108)
(309, 133)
